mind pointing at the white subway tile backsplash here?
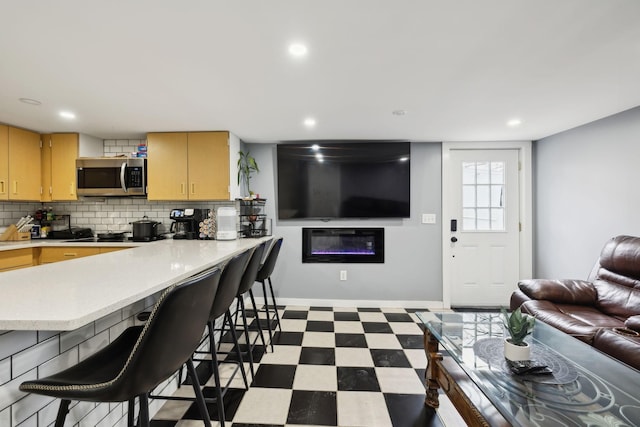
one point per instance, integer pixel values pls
(10, 392)
(92, 418)
(93, 344)
(16, 341)
(47, 415)
(34, 356)
(59, 363)
(30, 422)
(26, 408)
(45, 335)
(73, 338)
(5, 417)
(108, 321)
(5, 371)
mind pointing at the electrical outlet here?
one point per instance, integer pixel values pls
(343, 274)
(428, 218)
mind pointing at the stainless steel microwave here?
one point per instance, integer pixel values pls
(111, 176)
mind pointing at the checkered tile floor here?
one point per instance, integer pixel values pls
(344, 367)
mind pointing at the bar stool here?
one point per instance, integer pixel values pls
(247, 281)
(264, 275)
(142, 356)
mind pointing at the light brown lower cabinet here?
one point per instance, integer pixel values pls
(21, 258)
(16, 258)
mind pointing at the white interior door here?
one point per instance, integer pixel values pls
(482, 254)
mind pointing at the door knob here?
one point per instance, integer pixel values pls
(454, 239)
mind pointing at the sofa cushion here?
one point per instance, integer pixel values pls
(621, 255)
(617, 299)
(633, 322)
(560, 291)
(620, 345)
(579, 321)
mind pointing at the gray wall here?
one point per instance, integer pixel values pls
(413, 257)
(586, 186)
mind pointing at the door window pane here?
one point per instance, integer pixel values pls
(483, 196)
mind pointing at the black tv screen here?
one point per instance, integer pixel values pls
(330, 179)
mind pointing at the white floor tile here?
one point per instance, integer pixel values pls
(405, 328)
(353, 357)
(292, 325)
(348, 327)
(316, 377)
(320, 315)
(319, 339)
(372, 317)
(282, 355)
(386, 341)
(399, 380)
(263, 406)
(345, 309)
(417, 358)
(362, 409)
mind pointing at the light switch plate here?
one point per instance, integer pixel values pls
(428, 218)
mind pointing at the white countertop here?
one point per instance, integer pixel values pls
(69, 294)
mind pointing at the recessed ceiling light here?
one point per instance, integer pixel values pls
(309, 122)
(404, 159)
(514, 122)
(320, 157)
(67, 115)
(399, 112)
(30, 101)
(315, 147)
(297, 49)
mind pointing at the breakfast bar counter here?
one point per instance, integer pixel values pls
(66, 295)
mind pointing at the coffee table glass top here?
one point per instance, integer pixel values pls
(586, 388)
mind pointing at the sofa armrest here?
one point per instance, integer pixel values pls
(578, 292)
(633, 322)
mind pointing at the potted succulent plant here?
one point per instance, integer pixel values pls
(247, 165)
(518, 326)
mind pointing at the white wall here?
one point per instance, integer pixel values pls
(586, 186)
(412, 272)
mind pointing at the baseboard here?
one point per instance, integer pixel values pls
(305, 302)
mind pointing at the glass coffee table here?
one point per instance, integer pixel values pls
(465, 359)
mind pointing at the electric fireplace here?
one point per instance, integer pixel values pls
(343, 245)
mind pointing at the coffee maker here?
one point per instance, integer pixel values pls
(186, 222)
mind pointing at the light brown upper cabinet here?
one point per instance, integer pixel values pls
(188, 166)
(4, 162)
(59, 153)
(19, 164)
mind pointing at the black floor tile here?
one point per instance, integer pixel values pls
(369, 310)
(357, 379)
(286, 338)
(398, 317)
(384, 358)
(275, 376)
(351, 340)
(294, 314)
(421, 374)
(409, 410)
(319, 326)
(313, 408)
(317, 356)
(321, 309)
(411, 341)
(231, 402)
(162, 423)
(377, 328)
(345, 316)
(413, 310)
(203, 371)
(255, 425)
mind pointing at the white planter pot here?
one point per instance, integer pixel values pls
(516, 352)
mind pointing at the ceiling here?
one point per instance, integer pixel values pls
(459, 69)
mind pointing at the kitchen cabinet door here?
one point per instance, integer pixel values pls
(45, 168)
(167, 166)
(4, 162)
(64, 253)
(15, 258)
(24, 165)
(64, 151)
(208, 162)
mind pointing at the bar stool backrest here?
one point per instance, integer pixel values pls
(229, 284)
(251, 271)
(170, 336)
(269, 264)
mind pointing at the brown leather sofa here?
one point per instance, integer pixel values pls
(603, 310)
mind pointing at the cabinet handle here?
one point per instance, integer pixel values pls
(193, 188)
(71, 188)
(15, 187)
(70, 254)
(182, 188)
(2, 189)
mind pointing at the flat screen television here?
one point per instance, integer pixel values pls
(332, 179)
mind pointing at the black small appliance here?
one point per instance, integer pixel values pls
(186, 222)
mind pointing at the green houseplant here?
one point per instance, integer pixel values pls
(518, 326)
(247, 165)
